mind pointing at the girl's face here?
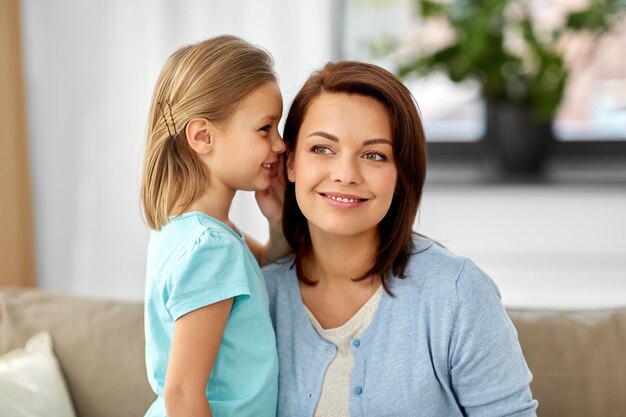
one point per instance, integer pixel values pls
(343, 166)
(247, 146)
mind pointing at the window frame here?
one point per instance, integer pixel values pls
(451, 151)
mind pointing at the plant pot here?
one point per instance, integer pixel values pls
(521, 143)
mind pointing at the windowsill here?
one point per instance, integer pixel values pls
(571, 163)
(558, 172)
(557, 240)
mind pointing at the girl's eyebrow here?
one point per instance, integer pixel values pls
(365, 142)
(271, 117)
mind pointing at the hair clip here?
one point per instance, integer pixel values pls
(171, 118)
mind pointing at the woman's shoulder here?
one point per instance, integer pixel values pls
(432, 266)
(278, 273)
(279, 268)
(428, 256)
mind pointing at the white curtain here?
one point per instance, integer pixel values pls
(90, 70)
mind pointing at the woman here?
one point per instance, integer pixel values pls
(371, 318)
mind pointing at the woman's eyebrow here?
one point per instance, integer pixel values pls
(324, 135)
(365, 142)
(375, 141)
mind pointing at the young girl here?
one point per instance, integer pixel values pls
(210, 346)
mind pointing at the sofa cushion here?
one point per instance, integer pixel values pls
(578, 360)
(31, 383)
(99, 345)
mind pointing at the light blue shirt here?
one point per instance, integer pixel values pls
(195, 261)
(443, 346)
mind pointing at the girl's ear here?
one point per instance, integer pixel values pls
(199, 133)
(291, 175)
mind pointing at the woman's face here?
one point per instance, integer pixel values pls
(343, 166)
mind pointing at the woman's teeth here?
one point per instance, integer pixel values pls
(343, 200)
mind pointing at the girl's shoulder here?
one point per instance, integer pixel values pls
(196, 235)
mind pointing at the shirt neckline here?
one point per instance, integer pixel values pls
(421, 245)
(223, 225)
(353, 321)
(308, 328)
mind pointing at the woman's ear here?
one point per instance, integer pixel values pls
(291, 175)
(199, 133)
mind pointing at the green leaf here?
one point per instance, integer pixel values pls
(537, 79)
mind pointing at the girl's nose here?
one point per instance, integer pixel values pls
(346, 170)
(278, 145)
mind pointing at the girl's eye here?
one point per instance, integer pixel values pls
(375, 156)
(321, 150)
(266, 128)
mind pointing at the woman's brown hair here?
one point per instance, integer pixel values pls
(396, 229)
(205, 80)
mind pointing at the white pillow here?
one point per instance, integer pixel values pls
(31, 383)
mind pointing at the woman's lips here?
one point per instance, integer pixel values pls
(343, 200)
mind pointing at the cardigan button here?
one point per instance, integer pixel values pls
(358, 390)
(356, 342)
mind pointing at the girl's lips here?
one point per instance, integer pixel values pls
(269, 167)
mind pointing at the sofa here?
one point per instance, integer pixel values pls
(578, 358)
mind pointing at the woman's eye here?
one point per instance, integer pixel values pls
(321, 150)
(375, 156)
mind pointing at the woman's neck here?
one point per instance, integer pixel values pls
(334, 262)
(338, 259)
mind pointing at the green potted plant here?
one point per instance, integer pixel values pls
(520, 66)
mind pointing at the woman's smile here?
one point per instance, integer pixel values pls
(343, 166)
(343, 201)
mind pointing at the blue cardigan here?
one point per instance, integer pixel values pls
(442, 346)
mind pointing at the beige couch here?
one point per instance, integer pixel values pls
(578, 358)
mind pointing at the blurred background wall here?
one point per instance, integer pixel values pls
(90, 70)
(558, 240)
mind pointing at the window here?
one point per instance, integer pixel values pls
(594, 106)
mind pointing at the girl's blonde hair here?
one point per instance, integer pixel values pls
(205, 80)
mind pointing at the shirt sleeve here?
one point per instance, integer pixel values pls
(487, 368)
(211, 271)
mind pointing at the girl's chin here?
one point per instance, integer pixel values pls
(261, 184)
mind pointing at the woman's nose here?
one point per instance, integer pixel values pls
(345, 169)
